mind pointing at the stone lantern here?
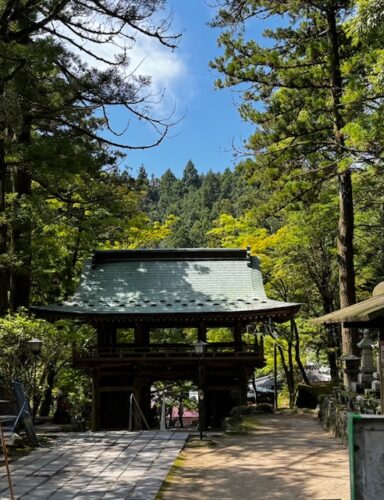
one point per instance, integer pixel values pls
(366, 369)
(376, 374)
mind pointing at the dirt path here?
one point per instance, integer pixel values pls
(288, 457)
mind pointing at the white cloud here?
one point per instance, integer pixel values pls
(165, 67)
(147, 57)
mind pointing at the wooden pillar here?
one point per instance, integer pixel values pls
(243, 389)
(237, 331)
(141, 389)
(202, 332)
(202, 397)
(96, 400)
(106, 335)
(141, 333)
(142, 394)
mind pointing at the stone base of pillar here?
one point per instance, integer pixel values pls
(365, 379)
(357, 387)
(376, 386)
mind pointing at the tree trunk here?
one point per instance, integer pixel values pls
(4, 268)
(288, 370)
(21, 230)
(333, 343)
(71, 264)
(181, 413)
(333, 353)
(47, 399)
(291, 383)
(254, 386)
(297, 352)
(346, 219)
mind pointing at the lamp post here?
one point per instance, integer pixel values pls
(275, 337)
(199, 350)
(35, 347)
(274, 375)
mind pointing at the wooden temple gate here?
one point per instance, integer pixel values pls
(147, 290)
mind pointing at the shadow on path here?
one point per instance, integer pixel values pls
(289, 457)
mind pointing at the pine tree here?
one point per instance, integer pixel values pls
(46, 89)
(296, 90)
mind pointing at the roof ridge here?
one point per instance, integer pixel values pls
(188, 254)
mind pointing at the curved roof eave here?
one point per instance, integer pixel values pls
(280, 314)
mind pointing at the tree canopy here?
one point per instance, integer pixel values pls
(310, 88)
(307, 197)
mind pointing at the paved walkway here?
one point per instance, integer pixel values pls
(112, 465)
(288, 457)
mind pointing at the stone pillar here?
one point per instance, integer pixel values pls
(381, 367)
(351, 370)
(366, 369)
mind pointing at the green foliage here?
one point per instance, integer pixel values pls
(312, 87)
(17, 361)
(193, 202)
(367, 25)
(70, 197)
(219, 335)
(289, 73)
(57, 142)
(174, 336)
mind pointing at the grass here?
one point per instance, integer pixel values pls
(248, 423)
(200, 443)
(179, 462)
(175, 470)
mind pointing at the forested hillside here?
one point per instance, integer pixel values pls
(196, 200)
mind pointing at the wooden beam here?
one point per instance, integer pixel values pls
(96, 400)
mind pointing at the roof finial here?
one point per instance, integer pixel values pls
(94, 260)
(378, 290)
(248, 253)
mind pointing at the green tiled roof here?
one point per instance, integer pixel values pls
(158, 282)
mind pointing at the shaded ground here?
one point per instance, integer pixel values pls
(288, 457)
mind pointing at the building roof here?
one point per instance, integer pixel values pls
(170, 282)
(363, 313)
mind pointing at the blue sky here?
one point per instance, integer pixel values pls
(210, 122)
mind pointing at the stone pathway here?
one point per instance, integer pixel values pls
(112, 465)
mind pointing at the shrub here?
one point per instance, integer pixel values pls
(308, 396)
